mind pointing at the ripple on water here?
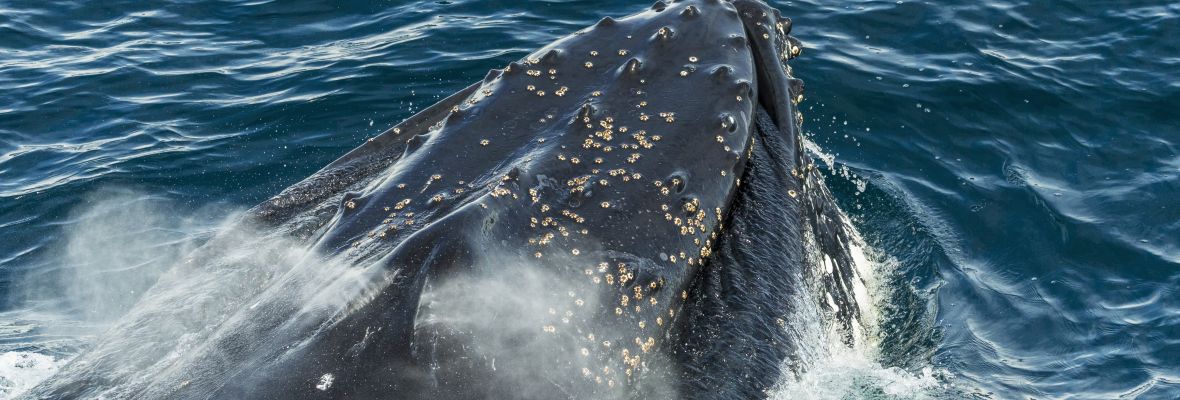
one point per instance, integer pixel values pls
(1018, 158)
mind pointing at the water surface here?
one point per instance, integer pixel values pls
(1016, 161)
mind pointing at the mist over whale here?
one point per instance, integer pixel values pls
(627, 212)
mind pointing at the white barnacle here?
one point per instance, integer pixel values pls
(325, 382)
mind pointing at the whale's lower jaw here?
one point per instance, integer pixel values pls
(623, 213)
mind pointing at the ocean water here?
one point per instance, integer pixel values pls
(1013, 166)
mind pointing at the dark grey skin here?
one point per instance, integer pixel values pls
(653, 160)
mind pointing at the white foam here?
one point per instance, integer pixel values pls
(21, 370)
(850, 374)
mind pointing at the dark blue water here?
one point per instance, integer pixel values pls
(1016, 160)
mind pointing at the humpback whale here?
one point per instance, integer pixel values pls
(627, 212)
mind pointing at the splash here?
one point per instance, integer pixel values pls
(838, 370)
(21, 370)
(116, 247)
(167, 301)
(851, 374)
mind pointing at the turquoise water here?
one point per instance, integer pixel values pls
(1015, 161)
